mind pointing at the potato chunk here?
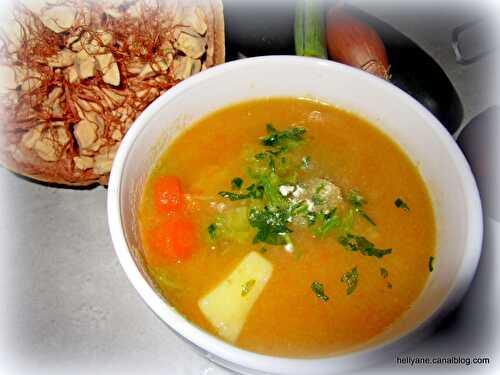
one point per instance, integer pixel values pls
(227, 306)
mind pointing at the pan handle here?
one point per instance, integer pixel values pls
(464, 36)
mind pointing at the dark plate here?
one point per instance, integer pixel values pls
(260, 28)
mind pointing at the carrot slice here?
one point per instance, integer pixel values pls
(174, 240)
(168, 195)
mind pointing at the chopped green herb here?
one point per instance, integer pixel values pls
(284, 138)
(247, 287)
(263, 249)
(255, 191)
(358, 201)
(212, 231)
(389, 285)
(233, 196)
(383, 272)
(311, 218)
(329, 222)
(260, 156)
(317, 200)
(401, 204)
(319, 290)
(359, 243)
(299, 208)
(306, 162)
(431, 263)
(271, 225)
(351, 280)
(237, 183)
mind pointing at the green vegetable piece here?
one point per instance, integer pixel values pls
(358, 201)
(319, 290)
(431, 263)
(347, 222)
(212, 231)
(383, 272)
(237, 183)
(163, 280)
(401, 204)
(247, 287)
(232, 225)
(309, 29)
(263, 250)
(359, 243)
(351, 280)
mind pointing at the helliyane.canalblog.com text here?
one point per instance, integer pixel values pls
(442, 360)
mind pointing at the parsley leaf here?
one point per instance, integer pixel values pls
(271, 225)
(358, 201)
(359, 243)
(212, 231)
(319, 290)
(247, 287)
(285, 138)
(233, 196)
(431, 263)
(350, 279)
(306, 162)
(401, 204)
(383, 272)
(329, 222)
(237, 183)
(255, 191)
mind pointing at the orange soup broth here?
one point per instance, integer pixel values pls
(288, 319)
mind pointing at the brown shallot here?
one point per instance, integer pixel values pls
(352, 42)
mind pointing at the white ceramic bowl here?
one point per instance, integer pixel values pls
(441, 164)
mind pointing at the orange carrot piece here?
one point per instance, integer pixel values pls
(174, 240)
(168, 195)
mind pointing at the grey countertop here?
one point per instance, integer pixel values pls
(67, 306)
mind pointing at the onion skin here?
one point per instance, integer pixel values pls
(352, 42)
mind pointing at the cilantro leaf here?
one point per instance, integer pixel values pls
(306, 162)
(212, 231)
(255, 191)
(271, 225)
(358, 201)
(351, 280)
(431, 263)
(237, 183)
(233, 196)
(329, 222)
(319, 290)
(359, 243)
(285, 138)
(401, 204)
(247, 287)
(383, 272)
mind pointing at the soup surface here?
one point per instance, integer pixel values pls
(337, 219)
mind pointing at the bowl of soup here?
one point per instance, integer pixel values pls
(292, 215)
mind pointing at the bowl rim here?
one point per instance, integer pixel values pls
(262, 362)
